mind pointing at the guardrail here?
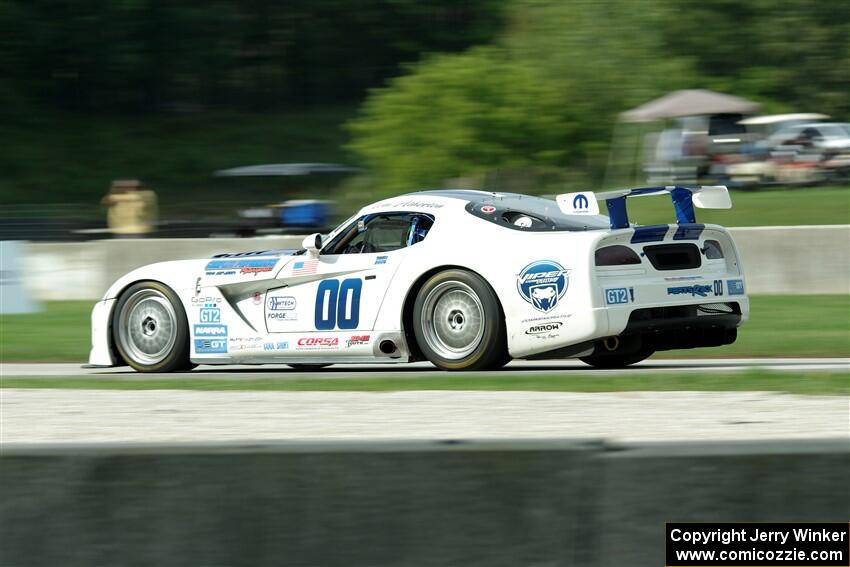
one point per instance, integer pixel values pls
(384, 504)
(792, 260)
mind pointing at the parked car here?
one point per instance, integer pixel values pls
(831, 137)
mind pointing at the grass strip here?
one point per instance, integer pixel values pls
(826, 382)
(780, 325)
(759, 207)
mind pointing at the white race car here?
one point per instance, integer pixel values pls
(465, 279)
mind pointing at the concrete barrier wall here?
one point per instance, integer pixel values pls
(645, 485)
(85, 270)
(797, 260)
(384, 504)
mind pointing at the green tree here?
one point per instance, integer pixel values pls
(142, 55)
(792, 55)
(464, 115)
(546, 95)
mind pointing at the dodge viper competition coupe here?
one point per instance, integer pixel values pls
(465, 279)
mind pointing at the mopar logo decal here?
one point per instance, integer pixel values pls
(580, 202)
(543, 284)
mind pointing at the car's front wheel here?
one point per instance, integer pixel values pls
(458, 323)
(150, 330)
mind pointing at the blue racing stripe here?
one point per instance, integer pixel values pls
(617, 212)
(651, 233)
(688, 232)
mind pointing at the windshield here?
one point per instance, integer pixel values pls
(833, 131)
(335, 232)
(380, 232)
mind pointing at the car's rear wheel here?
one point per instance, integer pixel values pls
(458, 323)
(150, 330)
(616, 360)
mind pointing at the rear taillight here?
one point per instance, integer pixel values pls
(616, 256)
(712, 250)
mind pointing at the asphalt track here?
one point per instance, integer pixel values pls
(169, 415)
(424, 369)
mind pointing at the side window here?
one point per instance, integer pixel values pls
(381, 233)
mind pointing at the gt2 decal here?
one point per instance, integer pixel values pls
(210, 314)
(338, 304)
(619, 295)
(543, 284)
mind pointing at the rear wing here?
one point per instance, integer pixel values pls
(684, 199)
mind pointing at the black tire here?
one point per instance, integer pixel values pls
(148, 313)
(458, 323)
(307, 367)
(612, 361)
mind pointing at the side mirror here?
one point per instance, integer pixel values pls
(312, 243)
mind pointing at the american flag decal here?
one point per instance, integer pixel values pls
(305, 267)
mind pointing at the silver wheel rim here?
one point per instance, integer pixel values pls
(147, 327)
(452, 320)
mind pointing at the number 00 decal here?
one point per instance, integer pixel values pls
(338, 304)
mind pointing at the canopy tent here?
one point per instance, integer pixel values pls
(690, 102)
